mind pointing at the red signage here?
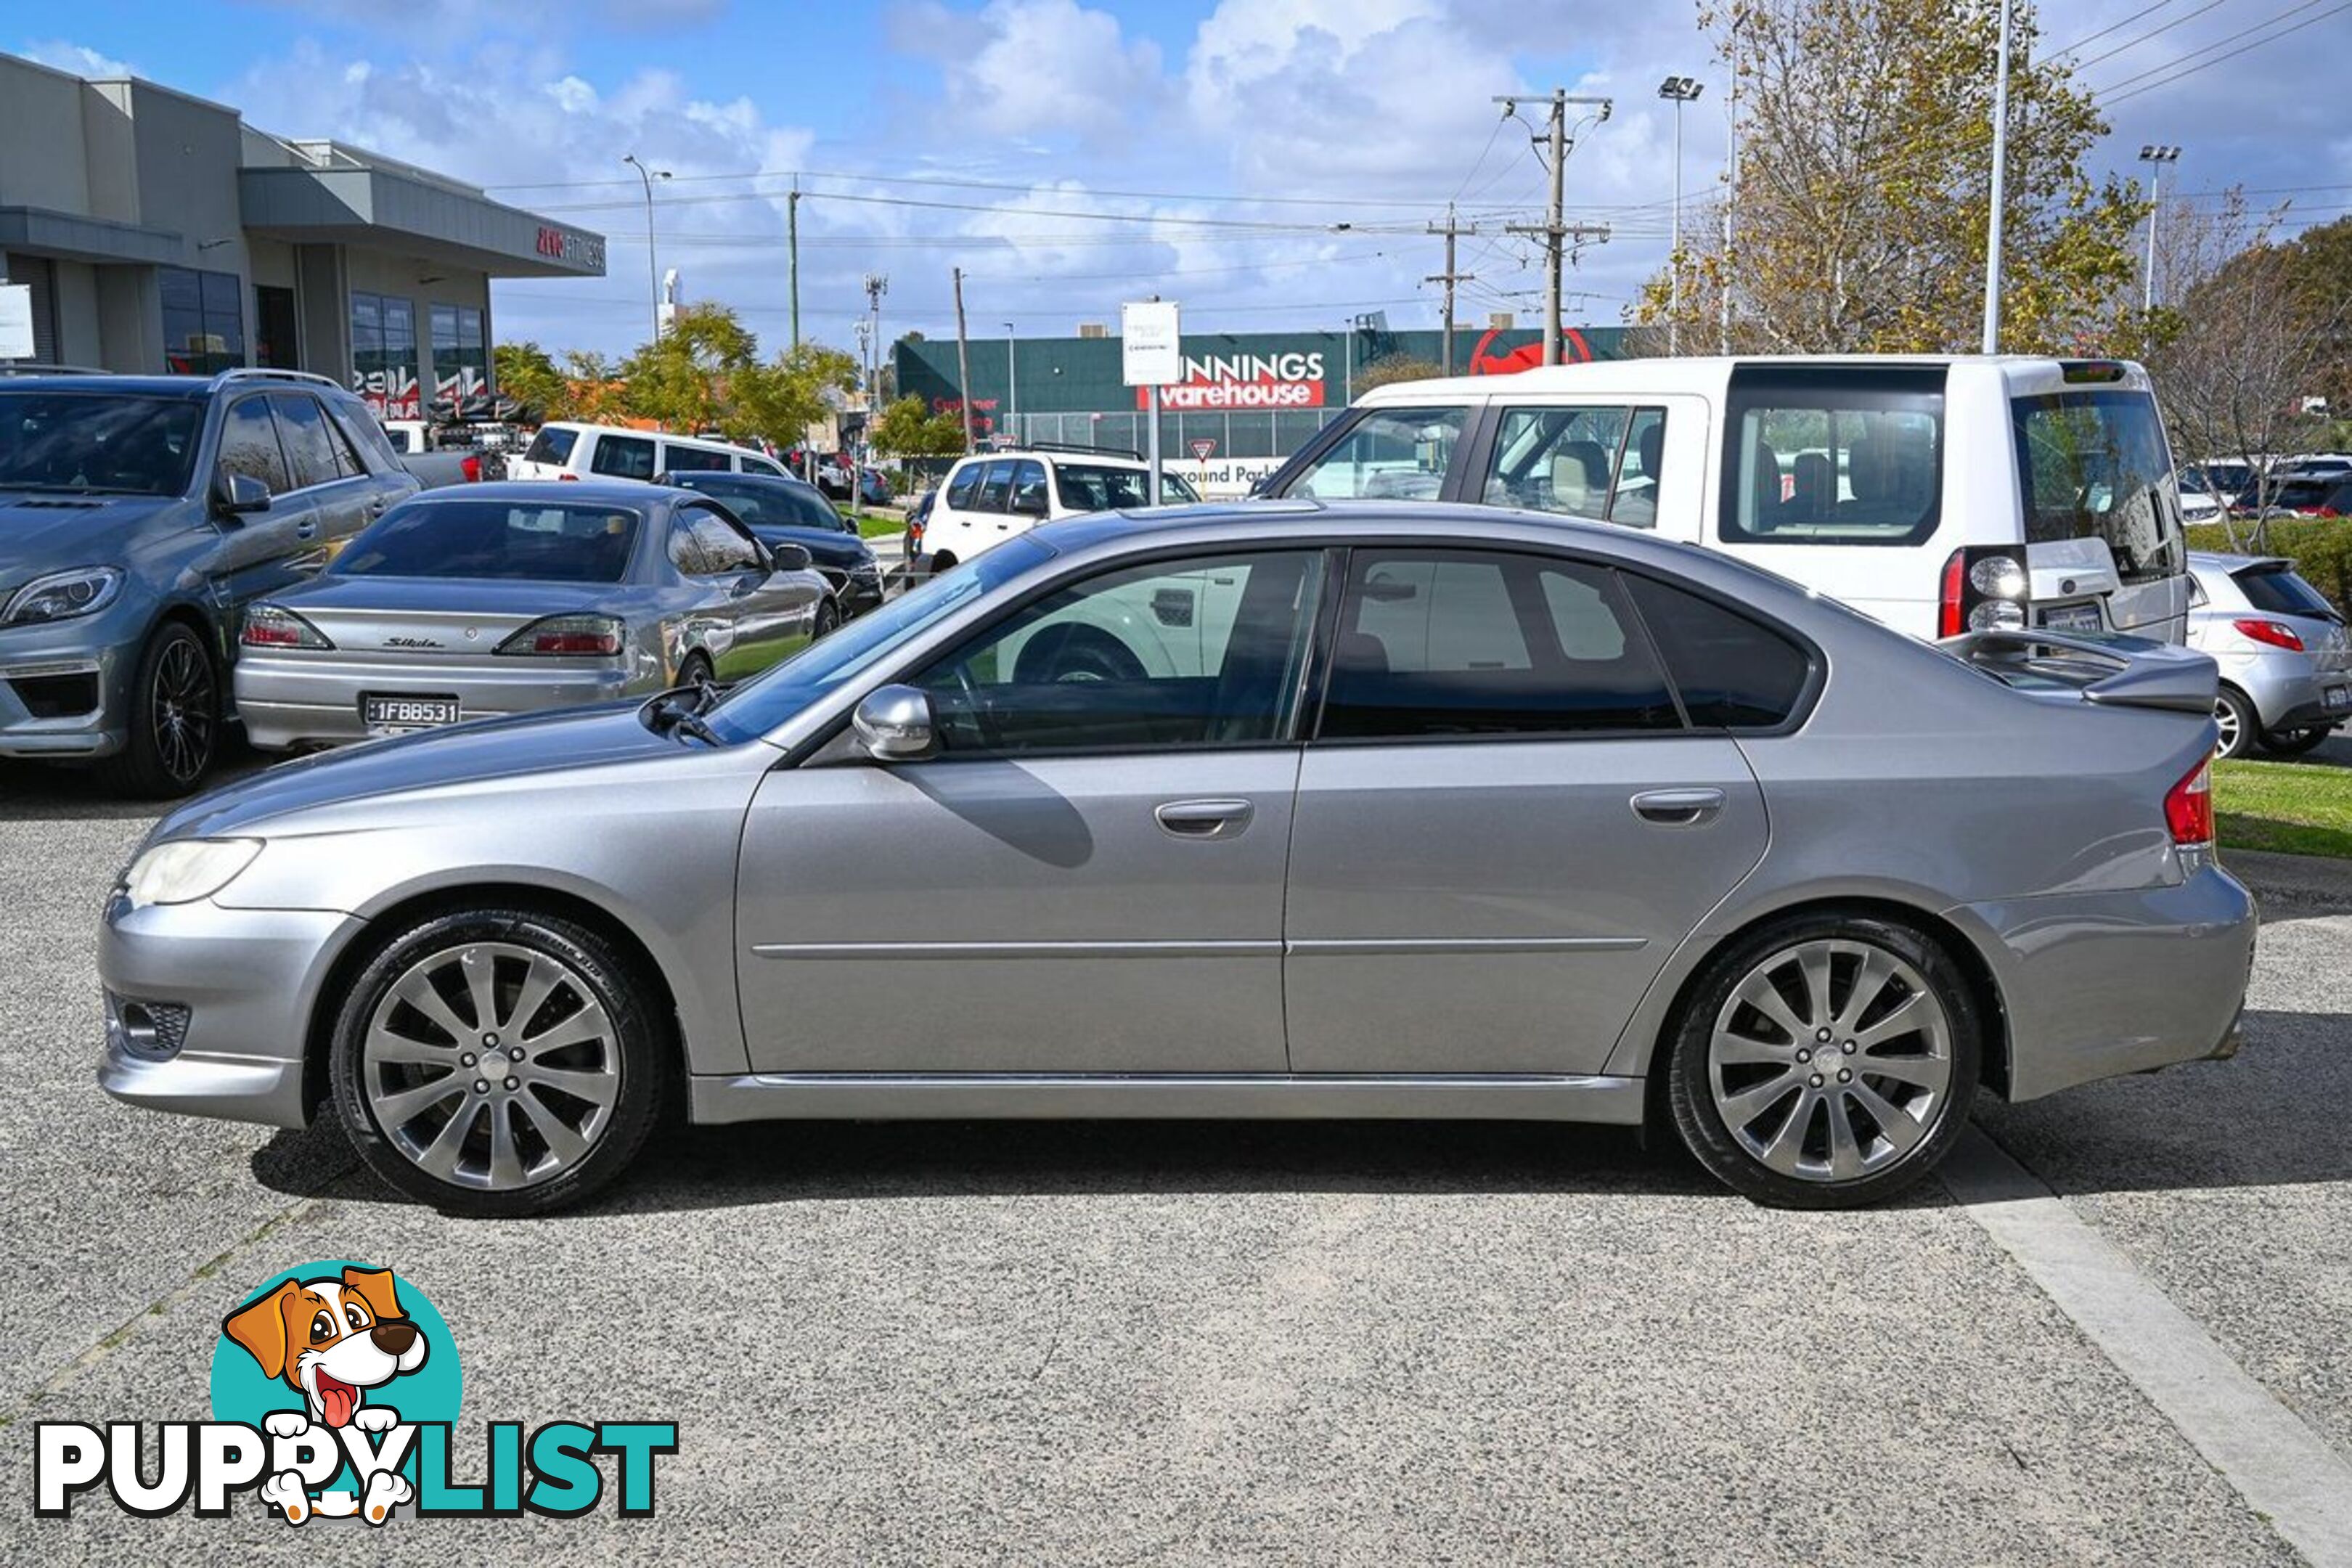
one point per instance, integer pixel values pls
(1243, 381)
(1203, 449)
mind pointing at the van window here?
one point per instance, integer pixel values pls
(761, 466)
(553, 445)
(2092, 466)
(622, 456)
(1396, 454)
(995, 488)
(679, 458)
(1593, 462)
(1833, 455)
(965, 485)
(1635, 502)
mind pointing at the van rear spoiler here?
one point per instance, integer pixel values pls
(2103, 667)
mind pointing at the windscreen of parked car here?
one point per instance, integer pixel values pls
(1398, 454)
(96, 443)
(2275, 587)
(2092, 466)
(502, 541)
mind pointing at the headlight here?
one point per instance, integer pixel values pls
(186, 870)
(61, 595)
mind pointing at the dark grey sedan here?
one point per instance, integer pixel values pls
(482, 601)
(1291, 810)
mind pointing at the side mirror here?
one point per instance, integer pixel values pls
(238, 495)
(894, 725)
(788, 558)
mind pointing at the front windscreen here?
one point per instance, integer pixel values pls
(505, 541)
(83, 443)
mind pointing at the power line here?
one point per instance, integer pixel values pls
(2183, 68)
(2112, 26)
(2130, 43)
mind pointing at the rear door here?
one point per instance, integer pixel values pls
(263, 552)
(1505, 822)
(2092, 468)
(326, 469)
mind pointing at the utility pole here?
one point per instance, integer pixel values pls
(1012, 389)
(877, 285)
(2000, 175)
(1556, 232)
(963, 365)
(2156, 156)
(1450, 277)
(792, 244)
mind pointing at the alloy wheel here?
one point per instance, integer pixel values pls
(2232, 738)
(491, 1066)
(1830, 1061)
(181, 709)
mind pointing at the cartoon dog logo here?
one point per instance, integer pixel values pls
(332, 1340)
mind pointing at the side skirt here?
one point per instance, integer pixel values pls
(887, 1097)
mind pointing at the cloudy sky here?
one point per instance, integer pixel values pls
(1270, 162)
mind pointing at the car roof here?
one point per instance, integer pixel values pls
(1059, 455)
(1702, 374)
(2217, 560)
(190, 386)
(547, 492)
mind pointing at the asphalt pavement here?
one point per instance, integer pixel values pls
(1099, 1342)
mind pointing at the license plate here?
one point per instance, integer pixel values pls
(2337, 698)
(2073, 618)
(397, 715)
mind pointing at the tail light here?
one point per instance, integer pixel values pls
(471, 466)
(596, 637)
(266, 625)
(1982, 588)
(2270, 632)
(573, 477)
(2188, 808)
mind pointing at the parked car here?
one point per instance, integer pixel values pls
(435, 465)
(2315, 465)
(873, 489)
(2308, 496)
(565, 449)
(1940, 495)
(2285, 658)
(508, 598)
(1366, 810)
(138, 515)
(992, 497)
(793, 512)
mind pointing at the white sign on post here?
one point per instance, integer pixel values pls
(16, 321)
(1151, 351)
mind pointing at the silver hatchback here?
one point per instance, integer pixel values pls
(1289, 810)
(2285, 658)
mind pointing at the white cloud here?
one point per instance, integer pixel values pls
(79, 58)
(1052, 66)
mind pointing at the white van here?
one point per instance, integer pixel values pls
(1938, 494)
(565, 450)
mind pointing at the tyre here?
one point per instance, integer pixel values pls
(2291, 742)
(174, 720)
(1069, 653)
(1824, 1061)
(942, 562)
(2239, 722)
(500, 1062)
(695, 671)
(828, 620)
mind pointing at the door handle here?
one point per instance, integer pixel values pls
(1204, 818)
(1678, 808)
(375, 508)
(307, 529)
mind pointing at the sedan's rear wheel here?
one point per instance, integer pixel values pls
(2293, 743)
(499, 1062)
(2239, 723)
(1825, 1062)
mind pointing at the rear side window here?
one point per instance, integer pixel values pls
(1400, 454)
(2092, 465)
(1732, 672)
(679, 458)
(623, 457)
(311, 445)
(249, 444)
(996, 488)
(363, 434)
(965, 485)
(1833, 455)
(2278, 591)
(1463, 643)
(761, 466)
(553, 445)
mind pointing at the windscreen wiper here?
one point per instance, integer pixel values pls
(664, 711)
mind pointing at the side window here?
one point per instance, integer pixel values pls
(1460, 643)
(622, 456)
(996, 489)
(1556, 459)
(684, 547)
(1396, 453)
(1635, 502)
(963, 486)
(248, 444)
(761, 466)
(363, 434)
(677, 458)
(553, 444)
(1029, 497)
(1733, 673)
(311, 445)
(725, 550)
(1205, 652)
(1834, 456)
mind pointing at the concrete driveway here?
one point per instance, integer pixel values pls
(1186, 1342)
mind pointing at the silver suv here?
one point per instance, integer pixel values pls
(138, 516)
(2286, 662)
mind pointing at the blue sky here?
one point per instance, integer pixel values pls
(1270, 162)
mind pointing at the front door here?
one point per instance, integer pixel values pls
(261, 553)
(1087, 878)
(1505, 823)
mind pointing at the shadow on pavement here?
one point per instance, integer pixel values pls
(38, 792)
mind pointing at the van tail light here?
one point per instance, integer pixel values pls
(1982, 588)
(471, 466)
(2270, 632)
(1951, 613)
(266, 625)
(2188, 808)
(596, 637)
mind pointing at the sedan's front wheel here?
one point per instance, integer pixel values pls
(1826, 1061)
(499, 1062)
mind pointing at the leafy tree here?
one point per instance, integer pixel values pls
(1390, 368)
(705, 373)
(1864, 183)
(908, 428)
(592, 387)
(527, 373)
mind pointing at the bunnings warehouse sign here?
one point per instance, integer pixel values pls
(1291, 380)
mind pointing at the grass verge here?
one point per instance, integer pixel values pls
(2294, 808)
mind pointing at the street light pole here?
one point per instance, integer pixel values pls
(1991, 343)
(1680, 89)
(653, 267)
(1012, 389)
(2155, 155)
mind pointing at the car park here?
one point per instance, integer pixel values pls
(992, 497)
(567, 449)
(499, 599)
(1942, 495)
(2285, 656)
(1452, 812)
(139, 515)
(793, 512)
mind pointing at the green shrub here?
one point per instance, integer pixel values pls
(2320, 547)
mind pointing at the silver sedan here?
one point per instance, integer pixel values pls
(481, 601)
(1294, 811)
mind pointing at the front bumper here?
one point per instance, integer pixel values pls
(248, 980)
(60, 697)
(288, 702)
(2098, 984)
